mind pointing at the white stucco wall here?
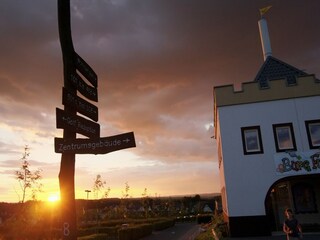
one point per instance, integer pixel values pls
(249, 177)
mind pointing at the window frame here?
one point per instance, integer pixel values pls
(277, 138)
(257, 138)
(311, 140)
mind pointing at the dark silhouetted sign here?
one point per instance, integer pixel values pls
(77, 124)
(95, 146)
(84, 88)
(80, 105)
(86, 70)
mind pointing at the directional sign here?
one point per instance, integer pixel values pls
(77, 124)
(95, 146)
(86, 70)
(80, 105)
(85, 89)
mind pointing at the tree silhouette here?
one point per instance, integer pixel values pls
(98, 185)
(145, 202)
(28, 179)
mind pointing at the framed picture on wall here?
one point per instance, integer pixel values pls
(284, 137)
(313, 132)
(251, 140)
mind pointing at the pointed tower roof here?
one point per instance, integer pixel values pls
(273, 68)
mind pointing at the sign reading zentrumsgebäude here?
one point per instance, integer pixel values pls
(95, 146)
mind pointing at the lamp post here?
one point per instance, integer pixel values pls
(87, 191)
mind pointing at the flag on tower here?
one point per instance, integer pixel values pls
(264, 10)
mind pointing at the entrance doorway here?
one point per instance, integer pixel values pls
(300, 193)
(281, 199)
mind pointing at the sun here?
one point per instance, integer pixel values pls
(53, 197)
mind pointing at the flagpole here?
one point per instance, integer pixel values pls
(264, 33)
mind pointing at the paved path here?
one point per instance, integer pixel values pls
(306, 236)
(180, 231)
(188, 231)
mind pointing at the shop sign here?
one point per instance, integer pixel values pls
(297, 163)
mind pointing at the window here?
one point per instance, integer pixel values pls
(313, 132)
(284, 137)
(251, 140)
(304, 198)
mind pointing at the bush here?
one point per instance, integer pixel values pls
(190, 218)
(95, 237)
(204, 218)
(206, 235)
(135, 232)
(112, 231)
(217, 225)
(124, 229)
(163, 224)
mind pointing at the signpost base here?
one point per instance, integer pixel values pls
(67, 196)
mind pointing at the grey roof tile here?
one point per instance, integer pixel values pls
(273, 68)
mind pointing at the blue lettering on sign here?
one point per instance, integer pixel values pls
(298, 163)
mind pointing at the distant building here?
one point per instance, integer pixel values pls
(268, 138)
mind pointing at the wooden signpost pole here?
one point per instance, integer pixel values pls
(74, 70)
(67, 166)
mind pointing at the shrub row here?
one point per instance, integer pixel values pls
(135, 232)
(120, 222)
(190, 218)
(122, 230)
(205, 218)
(163, 224)
(112, 231)
(95, 237)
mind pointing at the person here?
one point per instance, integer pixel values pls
(291, 226)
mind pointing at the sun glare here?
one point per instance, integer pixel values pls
(208, 126)
(53, 198)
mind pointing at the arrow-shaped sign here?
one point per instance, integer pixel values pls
(85, 89)
(80, 105)
(77, 124)
(95, 146)
(86, 70)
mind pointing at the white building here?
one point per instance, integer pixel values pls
(268, 137)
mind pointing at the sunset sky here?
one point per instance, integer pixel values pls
(157, 62)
